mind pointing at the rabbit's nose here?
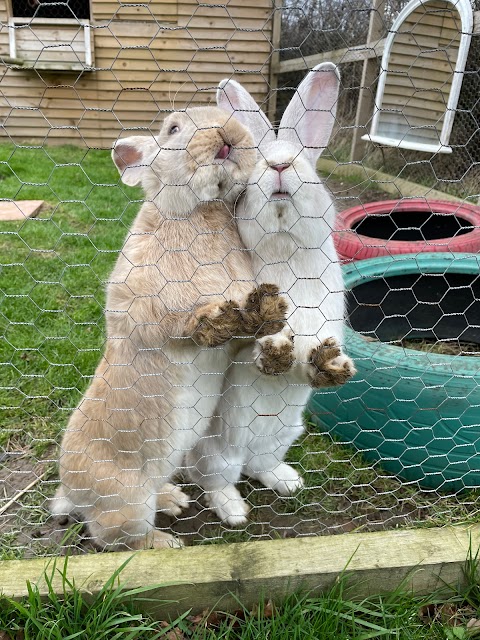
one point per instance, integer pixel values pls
(279, 167)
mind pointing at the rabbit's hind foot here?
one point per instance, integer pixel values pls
(153, 539)
(128, 527)
(161, 540)
(172, 500)
(229, 505)
(284, 479)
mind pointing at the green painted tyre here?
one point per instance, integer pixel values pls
(418, 413)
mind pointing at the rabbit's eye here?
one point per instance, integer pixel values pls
(174, 129)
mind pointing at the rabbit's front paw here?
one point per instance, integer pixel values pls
(331, 367)
(217, 323)
(264, 312)
(274, 354)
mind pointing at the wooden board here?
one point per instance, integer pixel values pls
(428, 107)
(19, 209)
(162, 10)
(221, 576)
(339, 56)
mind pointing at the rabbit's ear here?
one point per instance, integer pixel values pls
(232, 97)
(131, 156)
(310, 116)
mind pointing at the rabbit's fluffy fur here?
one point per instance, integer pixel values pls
(182, 272)
(285, 221)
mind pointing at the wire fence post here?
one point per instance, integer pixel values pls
(369, 75)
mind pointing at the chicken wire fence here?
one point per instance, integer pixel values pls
(397, 445)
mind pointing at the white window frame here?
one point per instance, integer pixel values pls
(74, 23)
(465, 12)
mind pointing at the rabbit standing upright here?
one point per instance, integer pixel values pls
(182, 281)
(285, 220)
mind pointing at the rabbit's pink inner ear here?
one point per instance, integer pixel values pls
(235, 99)
(310, 116)
(125, 155)
(132, 156)
(229, 95)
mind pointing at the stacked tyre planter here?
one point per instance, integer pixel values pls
(407, 226)
(416, 412)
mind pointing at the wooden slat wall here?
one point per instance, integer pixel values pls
(145, 63)
(158, 10)
(421, 67)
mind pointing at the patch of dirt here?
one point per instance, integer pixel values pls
(347, 194)
(27, 529)
(199, 525)
(334, 501)
(267, 522)
(16, 472)
(318, 510)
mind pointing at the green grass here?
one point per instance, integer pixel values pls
(115, 613)
(53, 270)
(448, 347)
(110, 615)
(52, 274)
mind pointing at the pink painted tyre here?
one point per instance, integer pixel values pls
(407, 226)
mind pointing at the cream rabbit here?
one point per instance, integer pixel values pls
(182, 273)
(285, 221)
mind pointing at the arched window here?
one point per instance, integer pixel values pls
(421, 75)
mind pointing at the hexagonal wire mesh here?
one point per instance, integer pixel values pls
(395, 446)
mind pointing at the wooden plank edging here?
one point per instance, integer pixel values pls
(397, 187)
(204, 577)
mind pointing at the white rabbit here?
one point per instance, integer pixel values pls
(182, 273)
(285, 220)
